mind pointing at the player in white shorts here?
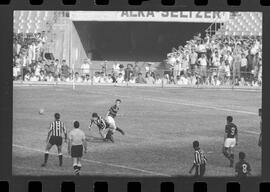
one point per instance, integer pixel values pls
(112, 114)
(76, 145)
(230, 140)
(105, 129)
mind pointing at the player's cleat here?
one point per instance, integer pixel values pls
(43, 165)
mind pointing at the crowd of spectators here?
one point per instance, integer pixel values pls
(218, 60)
(32, 62)
(202, 61)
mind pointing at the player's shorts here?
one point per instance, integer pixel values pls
(76, 151)
(56, 140)
(111, 121)
(230, 142)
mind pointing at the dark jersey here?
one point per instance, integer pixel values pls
(100, 123)
(113, 111)
(231, 130)
(242, 168)
(57, 128)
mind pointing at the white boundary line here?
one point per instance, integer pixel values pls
(35, 169)
(99, 162)
(180, 103)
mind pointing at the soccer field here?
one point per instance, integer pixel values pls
(160, 126)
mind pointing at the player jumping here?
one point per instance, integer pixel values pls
(242, 168)
(111, 116)
(230, 140)
(260, 137)
(105, 128)
(54, 137)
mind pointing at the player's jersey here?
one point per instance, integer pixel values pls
(231, 130)
(113, 111)
(199, 157)
(100, 123)
(242, 168)
(57, 128)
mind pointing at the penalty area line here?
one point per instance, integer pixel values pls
(99, 162)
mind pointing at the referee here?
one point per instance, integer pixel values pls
(76, 145)
(57, 128)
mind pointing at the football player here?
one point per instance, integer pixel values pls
(110, 117)
(242, 168)
(230, 140)
(105, 129)
(199, 160)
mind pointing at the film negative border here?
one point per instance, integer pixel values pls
(19, 183)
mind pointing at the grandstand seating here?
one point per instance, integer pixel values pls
(242, 24)
(31, 21)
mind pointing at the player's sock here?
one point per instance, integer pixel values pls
(231, 160)
(60, 156)
(76, 170)
(46, 157)
(79, 167)
(120, 130)
(226, 154)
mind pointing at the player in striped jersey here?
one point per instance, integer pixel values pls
(111, 116)
(199, 160)
(105, 129)
(55, 137)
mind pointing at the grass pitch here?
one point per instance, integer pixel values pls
(160, 126)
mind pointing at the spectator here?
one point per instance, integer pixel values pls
(77, 78)
(109, 79)
(128, 72)
(102, 78)
(87, 79)
(193, 56)
(50, 77)
(132, 79)
(140, 79)
(65, 69)
(96, 78)
(42, 76)
(237, 65)
(120, 78)
(85, 68)
(243, 65)
(158, 80)
(203, 66)
(149, 79)
(136, 69)
(122, 70)
(57, 68)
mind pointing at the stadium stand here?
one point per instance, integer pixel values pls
(242, 24)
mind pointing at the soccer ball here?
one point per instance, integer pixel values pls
(41, 111)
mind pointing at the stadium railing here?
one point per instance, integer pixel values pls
(167, 79)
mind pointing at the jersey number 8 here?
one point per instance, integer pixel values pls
(244, 168)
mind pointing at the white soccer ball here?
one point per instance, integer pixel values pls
(41, 111)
